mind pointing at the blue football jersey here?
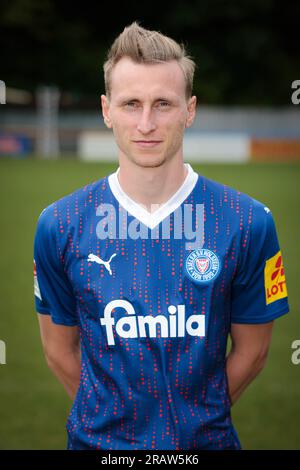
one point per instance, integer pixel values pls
(154, 296)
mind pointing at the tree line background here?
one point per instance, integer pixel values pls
(247, 51)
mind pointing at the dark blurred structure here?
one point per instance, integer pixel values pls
(246, 51)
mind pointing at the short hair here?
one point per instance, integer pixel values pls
(148, 47)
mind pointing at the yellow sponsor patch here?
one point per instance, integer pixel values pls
(275, 285)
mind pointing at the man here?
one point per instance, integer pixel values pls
(143, 275)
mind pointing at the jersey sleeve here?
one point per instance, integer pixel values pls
(53, 291)
(259, 292)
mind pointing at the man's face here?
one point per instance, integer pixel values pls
(148, 111)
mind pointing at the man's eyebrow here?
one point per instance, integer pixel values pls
(125, 99)
(164, 98)
(130, 98)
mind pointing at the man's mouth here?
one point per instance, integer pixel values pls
(147, 143)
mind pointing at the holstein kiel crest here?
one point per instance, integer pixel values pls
(202, 265)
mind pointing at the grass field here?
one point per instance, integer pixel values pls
(33, 406)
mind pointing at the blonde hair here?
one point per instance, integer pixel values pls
(148, 47)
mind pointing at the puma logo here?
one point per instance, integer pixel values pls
(95, 259)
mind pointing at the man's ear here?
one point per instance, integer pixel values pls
(192, 102)
(105, 111)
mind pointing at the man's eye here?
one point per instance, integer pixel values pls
(164, 104)
(131, 104)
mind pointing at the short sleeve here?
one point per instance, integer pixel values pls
(53, 291)
(259, 292)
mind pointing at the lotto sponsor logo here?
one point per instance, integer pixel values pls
(275, 284)
(131, 325)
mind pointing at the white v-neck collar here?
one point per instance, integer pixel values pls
(151, 220)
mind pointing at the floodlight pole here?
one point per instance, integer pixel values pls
(47, 143)
(2, 92)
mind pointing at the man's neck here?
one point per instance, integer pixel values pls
(151, 187)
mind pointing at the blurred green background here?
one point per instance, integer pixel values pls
(33, 405)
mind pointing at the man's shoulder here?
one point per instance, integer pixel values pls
(221, 193)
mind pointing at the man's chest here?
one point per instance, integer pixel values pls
(152, 271)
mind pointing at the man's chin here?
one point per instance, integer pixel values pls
(149, 161)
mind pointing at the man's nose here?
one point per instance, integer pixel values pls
(146, 123)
